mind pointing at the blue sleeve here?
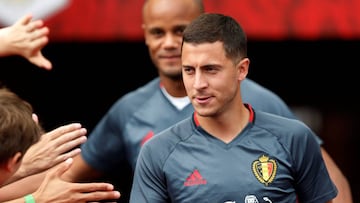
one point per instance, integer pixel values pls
(104, 150)
(313, 183)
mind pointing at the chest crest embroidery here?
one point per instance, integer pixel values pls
(264, 169)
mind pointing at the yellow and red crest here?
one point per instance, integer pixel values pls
(264, 169)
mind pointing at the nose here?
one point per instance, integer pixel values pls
(200, 81)
(172, 41)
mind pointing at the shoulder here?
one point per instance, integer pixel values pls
(292, 134)
(264, 99)
(282, 127)
(142, 92)
(166, 141)
(132, 100)
(173, 134)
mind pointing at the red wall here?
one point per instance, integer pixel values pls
(104, 20)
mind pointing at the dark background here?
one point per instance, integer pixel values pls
(87, 78)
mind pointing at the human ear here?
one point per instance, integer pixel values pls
(14, 163)
(35, 118)
(243, 68)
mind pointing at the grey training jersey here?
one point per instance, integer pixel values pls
(142, 113)
(273, 160)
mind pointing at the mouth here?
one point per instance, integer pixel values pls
(170, 57)
(202, 99)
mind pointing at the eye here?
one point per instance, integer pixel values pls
(188, 70)
(179, 30)
(211, 69)
(157, 33)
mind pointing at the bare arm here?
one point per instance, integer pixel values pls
(342, 184)
(26, 38)
(54, 189)
(21, 187)
(80, 171)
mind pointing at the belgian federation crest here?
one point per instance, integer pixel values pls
(264, 169)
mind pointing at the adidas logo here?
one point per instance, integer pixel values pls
(195, 178)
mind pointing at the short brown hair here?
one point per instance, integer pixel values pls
(18, 130)
(213, 27)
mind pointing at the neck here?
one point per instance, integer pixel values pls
(227, 125)
(173, 87)
(3, 177)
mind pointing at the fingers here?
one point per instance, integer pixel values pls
(37, 40)
(71, 140)
(67, 155)
(40, 34)
(40, 61)
(24, 20)
(100, 195)
(61, 169)
(92, 187)
(90, 191)
(63, 130)
(97, 191)
(36, 24)
(57, 171)
(30, 37)
(34, 38)
(66, 139)
(29, 24)
(78, 192)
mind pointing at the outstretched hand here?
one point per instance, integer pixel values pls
(54, 147)
(26, 38)
(54, 189)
